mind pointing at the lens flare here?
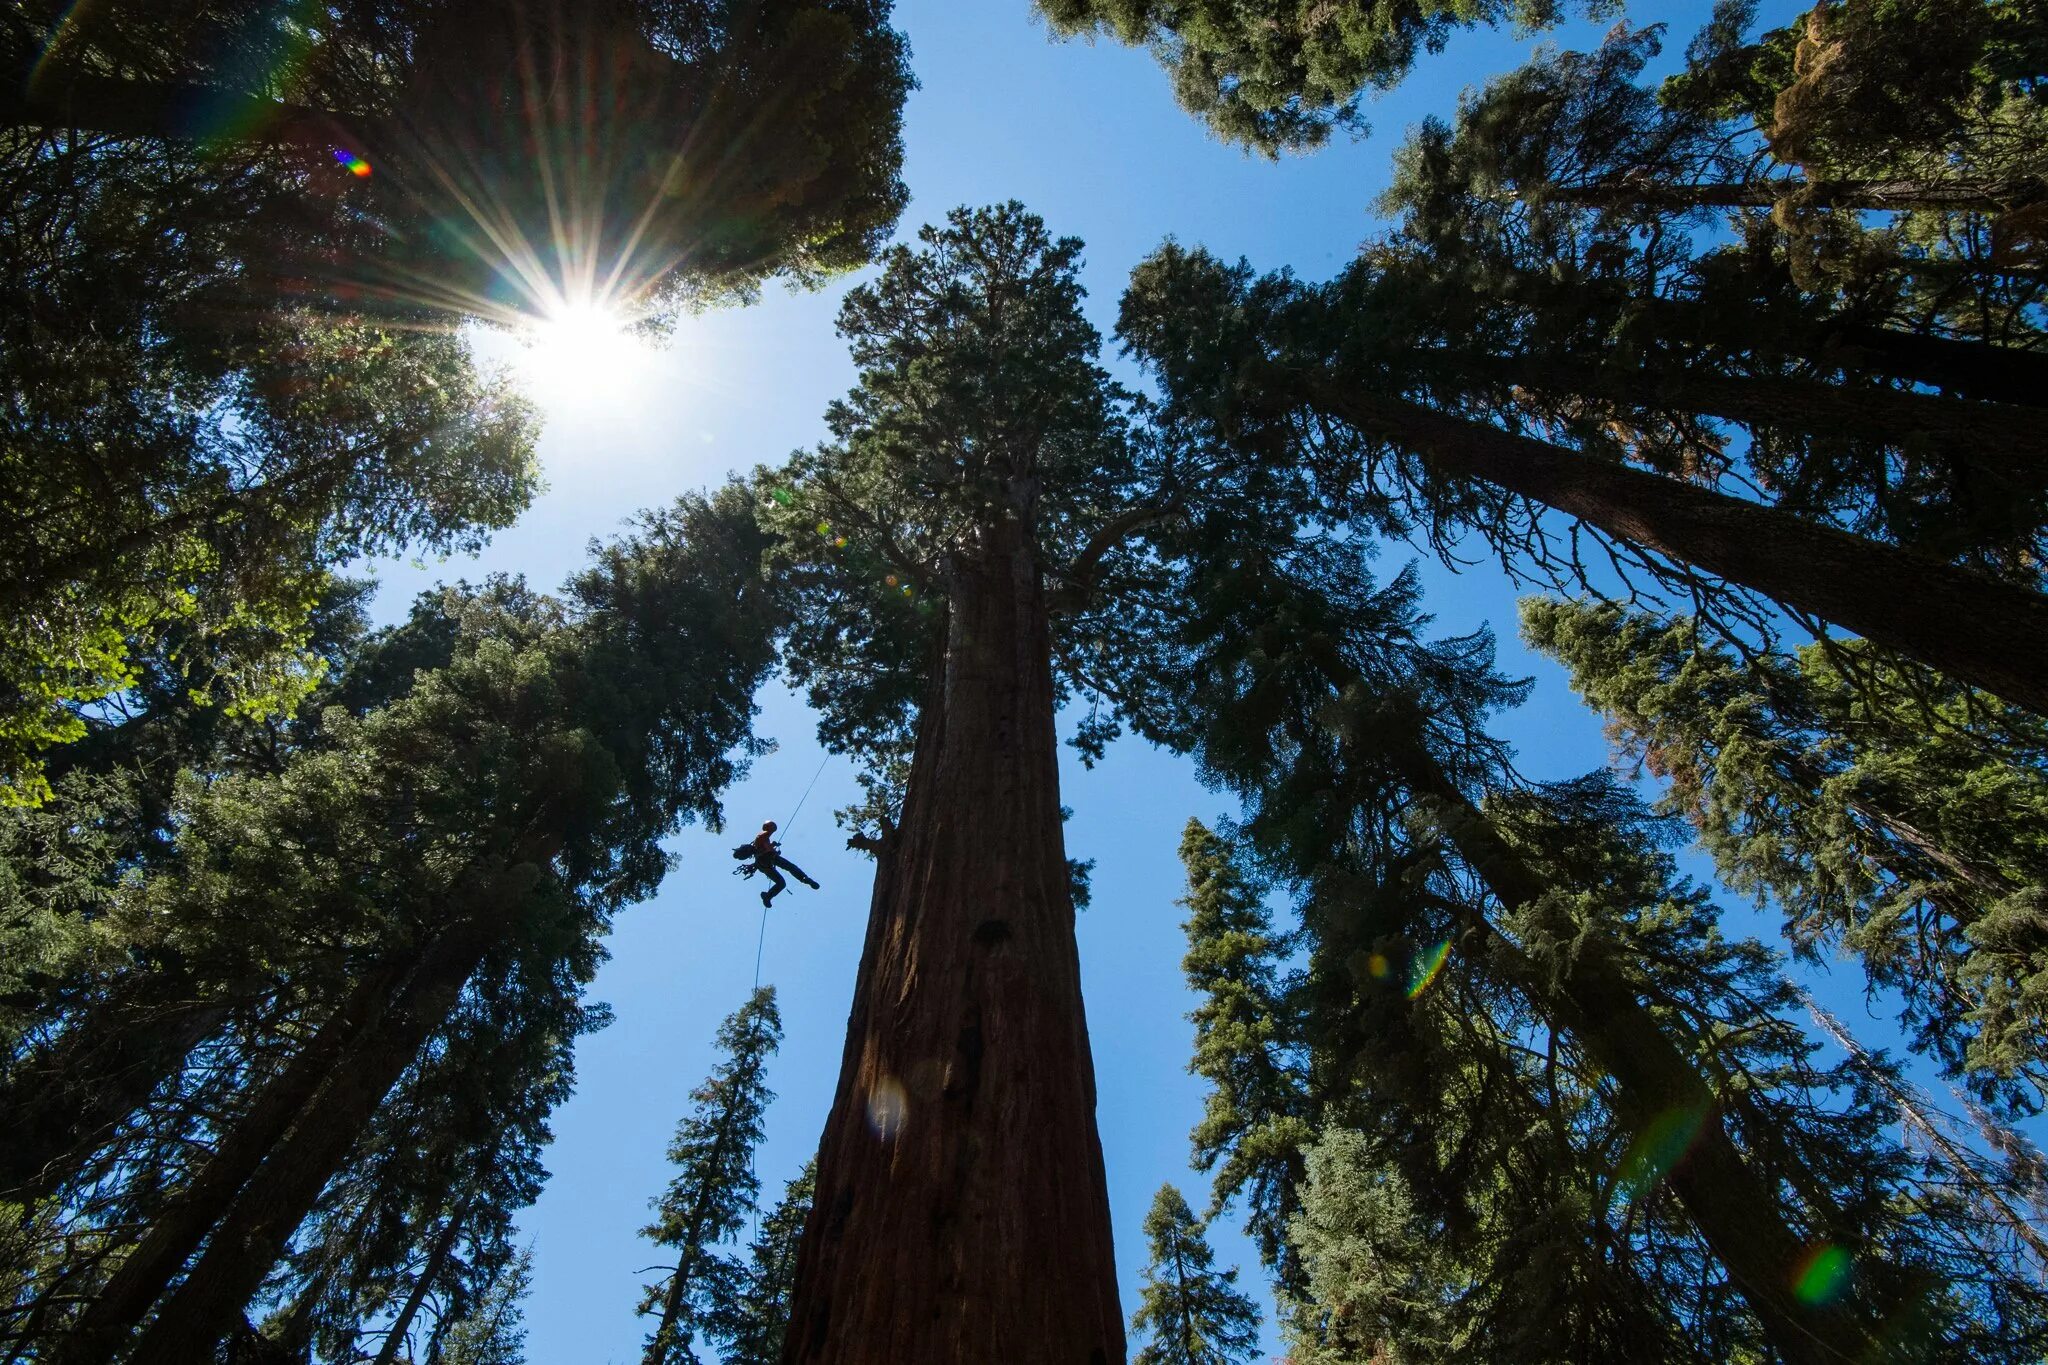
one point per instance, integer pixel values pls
(1425, 967)
(1822, 1275)
(1660, 1146)
(354, 164)
(888, 1107)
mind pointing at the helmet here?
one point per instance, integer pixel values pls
(768, 825)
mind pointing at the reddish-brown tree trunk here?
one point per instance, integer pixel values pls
(962, 1212)
(2007, 443)
(1976, 629)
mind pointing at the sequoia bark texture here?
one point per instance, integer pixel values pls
(962, 1213)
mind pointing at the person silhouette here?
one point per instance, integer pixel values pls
(768, 857)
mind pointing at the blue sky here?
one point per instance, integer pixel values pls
(1089, 137)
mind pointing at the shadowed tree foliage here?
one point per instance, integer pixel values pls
(430, 879)
(1190, 1313)
(1581, 1128)
(1608, 382)
(1895, 815)
(637, 147)
(1336, 379)
(948, 554)
(490, 1333)
(714, 1188)
(227, 356)
(750, 1321)
(1279, 76)
(179, 475)
(1258, 1116)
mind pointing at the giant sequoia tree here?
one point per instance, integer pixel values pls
(945, 545)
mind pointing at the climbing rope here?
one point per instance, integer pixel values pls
(761, 941)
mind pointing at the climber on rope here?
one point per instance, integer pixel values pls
(767, 856)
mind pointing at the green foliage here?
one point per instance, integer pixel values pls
(1378, 1286)
(1886, 810)
(750, 1315)
(712, 1194)
(490, 1333)
(304, 862)
(981, 411)
(180, 470)
(1193, 1314)
(1258, 1115)
(1476, 1185)
(486, 144)
(1284, 76)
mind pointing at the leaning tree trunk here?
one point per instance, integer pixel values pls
(1973, 369)
(1735, 1208)
(1998, 441)
(437, 1261)
(1976, 629)
(176, 1231)
(1895, 196)
(260, 1224)
(962, 1212)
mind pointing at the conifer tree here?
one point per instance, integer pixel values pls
(712, 1194)
(1193, 1315)
(1601, 383)
(1453, 915)
(1882, 808)
(750, 1317)
(460, 848)
(1284, 372)
(949, 551)
(232, 362)
(1284, 76)
(490, 1333)
(1258, 1116)
(504, 144)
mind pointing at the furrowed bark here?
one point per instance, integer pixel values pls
(107, 1324)
(962, 1212)
(1976, 629)
(260, 1224)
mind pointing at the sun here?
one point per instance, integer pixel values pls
(583, 353)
